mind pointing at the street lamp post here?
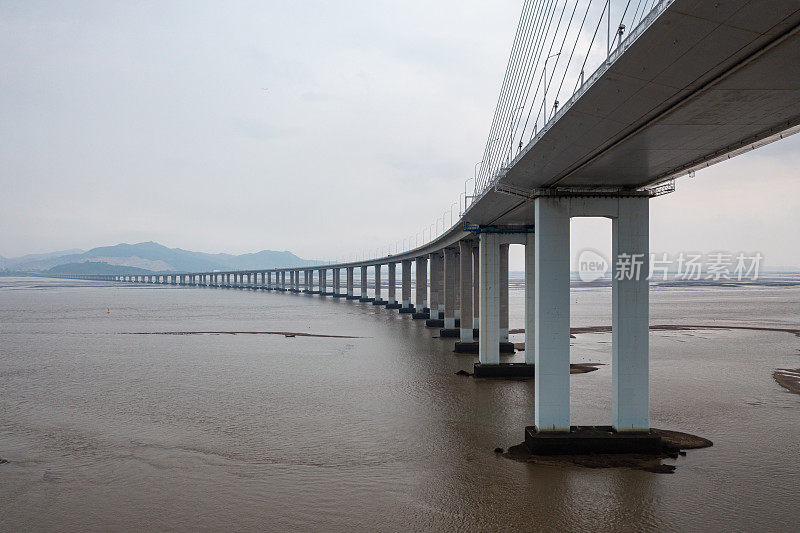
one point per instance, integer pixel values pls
(546, 87)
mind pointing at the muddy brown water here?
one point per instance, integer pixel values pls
(104, 431)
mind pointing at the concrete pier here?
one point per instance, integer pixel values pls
(465, 288)
(350, 294)
(530, 299)
(392, 298)
(489, 325)
(323, 281)
(378, 287)
(476, 288)
(405, 283)
(421, 297)
(630, 360)
(552, 314)
(436, 291)
(503, 292)
(451, 265)
(364, 292)
(337, 282)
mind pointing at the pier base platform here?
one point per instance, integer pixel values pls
(591, 439)
(421, 316)
(504, 370)
(394, 306)
(366, 299)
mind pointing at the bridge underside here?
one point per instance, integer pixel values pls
(707, 79)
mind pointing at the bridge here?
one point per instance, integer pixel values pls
(679, 85)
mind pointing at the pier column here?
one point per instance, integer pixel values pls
(489, 339)
(350, 282)
(552, 314)
(437, 280)
(364, 293)
(421, 300)
(476, 287)
(630, 301)
(465, 279)
(392, 299)
(323, 281)
(337, 281)
(405, 283)
(504, 293)
(457, 285)
(378, 283)
(450, 267)
(530, 299)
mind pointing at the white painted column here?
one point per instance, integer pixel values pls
(350, 281)
(450, 267)
(405, 282)
(489, 340)
(364, 293)
(392, 299)
(552, 315)
(421, 299)
(436, 292)
(630, 301)
(465, 288)
(457, 284)
(476, 287)
(504, 293)
(530, 298)
(378, 283)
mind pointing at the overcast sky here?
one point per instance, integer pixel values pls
(324, 128)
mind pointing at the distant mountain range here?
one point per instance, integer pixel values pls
(146, 257)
